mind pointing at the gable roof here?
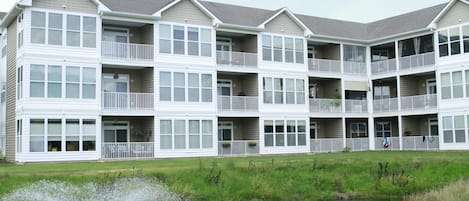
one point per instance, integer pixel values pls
(322, 27)
(292, 16)
(407, 22)
(442, 13)
(238, 15)
(146, 7)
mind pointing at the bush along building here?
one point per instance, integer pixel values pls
(118, 79)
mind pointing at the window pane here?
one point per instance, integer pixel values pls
(268, 83)
(89, 91)
(179, 80)
(444, 50)
(37, 89)
(89, 40)
(443, 36)
(72, 90)
(165, 31)
(206, 49)
(89, 24)
(37, 72)
(457, 84)
(54, 90)
(73, 38)
(447, 123)
(38, 19)
(279, 133)
(192, 34)
(165, 127)
(458, 122)
(55, 37)
(267, 47)
(165, 46)
(89, 75)
(207, 80)
(165, 78)
(38, 36)
(73, 22)
(55, 20)
(178, 32)
(73, 74)
(206, 35)
(178, 47)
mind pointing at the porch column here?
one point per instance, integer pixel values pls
(341, 58)
(371, 132)
(399, 122)
(155, 128)
(396, 47)
(342, 98)
(344, 132)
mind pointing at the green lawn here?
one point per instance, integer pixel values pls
(359, 175)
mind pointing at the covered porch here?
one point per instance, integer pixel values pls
(237, 92)
(127, 89)
(420, 132)
(238, 136)
(326, 135)
(325, 95)
(127, 138)
(357, 134)
(387, 133)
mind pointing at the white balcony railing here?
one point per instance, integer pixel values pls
(424, 143)
(385, 105)
(382, 67)
(126, 51)
(422, 102)
(392, 143)
(324, 66)
(238, 103)
(237, 59)
(238, 147)
(355, 68)
(127, 150)
(127, 101)
(327, 145)
(417, 61)
(358, 144)
(319, 105)
(356, 106)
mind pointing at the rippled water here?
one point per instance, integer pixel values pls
(124, 189)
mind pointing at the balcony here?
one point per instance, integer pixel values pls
(126, 51)
(324, 66)
(355, 68)
(127, 150)
(417, 61)
(117, 101)
(356, 106)
(422, 143)
(238, 103)
(327, 145)
(237, 59)
(358, 144)
(421, 102)
(385, 105)
(238, 147)
(383, 67)
(318, 105)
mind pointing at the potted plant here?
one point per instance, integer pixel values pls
(337, 100)
(226, 145)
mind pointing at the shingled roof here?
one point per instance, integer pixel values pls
(253, 17)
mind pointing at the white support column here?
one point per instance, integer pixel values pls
(342, 58)
(344, 132)
(396, 47)
(398, 82)
(399, 122)
(371, 132)
(342, 99)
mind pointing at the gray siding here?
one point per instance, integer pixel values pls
(246, 84)
(412, 86)
(283, 24)
(186, 12)
(328, 52)
(83, 6)
(328, 128)
(10, 124)
(141, 35)
(416, 125)
(140, 81)
(244, 44)
(326, 88)
(459, 11)
(244, 128)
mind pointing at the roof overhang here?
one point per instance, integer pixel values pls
(115, 15)
(15, 10)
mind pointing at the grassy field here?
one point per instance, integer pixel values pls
(353, 176)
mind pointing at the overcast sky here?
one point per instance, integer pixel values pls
(351, 10)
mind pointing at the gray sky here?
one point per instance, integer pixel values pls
(351, 10)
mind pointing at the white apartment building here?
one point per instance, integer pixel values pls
(119, 79)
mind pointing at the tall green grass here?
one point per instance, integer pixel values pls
(359, 175)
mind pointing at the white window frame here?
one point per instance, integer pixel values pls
(296, 51)
(186, 135)
(185, 41)
(285, 133)
(358, 132)
(296, 92)
(186, 87)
